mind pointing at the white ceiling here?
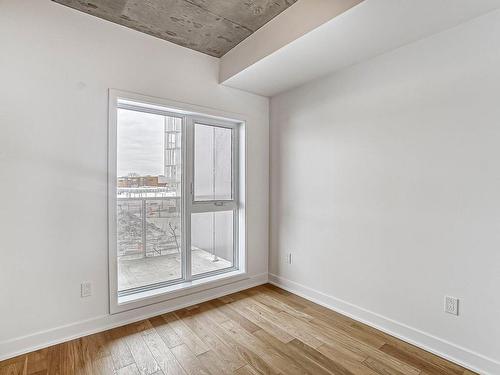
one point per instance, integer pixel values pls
(366, 30)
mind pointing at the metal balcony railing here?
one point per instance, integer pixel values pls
(148, 222)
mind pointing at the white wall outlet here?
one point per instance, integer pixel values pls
(86, 289)
(451, 305)
(288, 258)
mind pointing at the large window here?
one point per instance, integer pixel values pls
(175, 210)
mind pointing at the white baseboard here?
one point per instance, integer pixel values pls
(39, 340)
(455, 353)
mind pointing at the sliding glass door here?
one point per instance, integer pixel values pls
(176, 197)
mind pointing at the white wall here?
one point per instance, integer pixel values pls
(385, 186)
(56, 66)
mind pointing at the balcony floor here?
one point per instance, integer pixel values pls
(133, 273)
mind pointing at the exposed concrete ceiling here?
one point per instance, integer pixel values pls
(210, 26)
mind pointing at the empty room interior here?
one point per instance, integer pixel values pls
(294, 187)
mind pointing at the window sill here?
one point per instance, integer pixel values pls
(149, 297)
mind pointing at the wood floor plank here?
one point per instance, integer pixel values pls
(120, 352)
(241, 307)
(214, 364)
(234, 316)
(341, 340)
(319, 312)
(344, 352)
(162, 354)
(143, 358)
(263, 330)
(233, 297)
(382, 336)
(95, 346)
(288, 353)
(346, 360)
(103, 366)
(380, 367)
(331, 320)
(338, 338)
(311, 353)
(266, 352)
(287, 323)
(244, 352)
(247, 370)
(226, 353)
(187, 336)
(215, 314)
(165, 331)
(54, 360)
(129, 370)
(419, 362)
(349, 339)
(328, 332)
(37, 362)
(426, 356)
(95, 353)
(64, 358)
(14, 368)
(283, 295)
(189, 361)
(72, 360)
(272, 302)
(311, 308)
(360, 335)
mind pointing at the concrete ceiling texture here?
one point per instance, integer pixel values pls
(210, 26)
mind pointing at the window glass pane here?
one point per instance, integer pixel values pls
(212, 163)
(223, 163)
(163, 227)
(129, 217)
(211, 241)
(148, 199)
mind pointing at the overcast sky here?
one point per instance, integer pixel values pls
(140, 143)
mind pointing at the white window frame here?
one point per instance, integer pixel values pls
(191, 114)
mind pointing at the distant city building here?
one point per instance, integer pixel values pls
(172, 159)
(140, 181)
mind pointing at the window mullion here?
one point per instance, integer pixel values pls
(213, 206)
(188, 195)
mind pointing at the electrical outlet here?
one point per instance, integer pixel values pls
(86, 289)
(288, 258)
(451, 305)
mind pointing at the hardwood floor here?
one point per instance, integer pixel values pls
(264, 330)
